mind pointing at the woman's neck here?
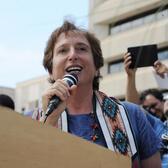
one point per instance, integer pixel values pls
(81, 102)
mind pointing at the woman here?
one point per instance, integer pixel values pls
(86, 112)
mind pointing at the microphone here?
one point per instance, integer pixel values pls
(70, 79)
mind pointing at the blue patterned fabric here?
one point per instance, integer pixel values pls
(109, 108)
(119, 137)
(147, 141)
(120, 141)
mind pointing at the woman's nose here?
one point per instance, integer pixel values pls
(73, 54)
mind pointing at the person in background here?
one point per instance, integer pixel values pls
(7, 101)
(84, 110)
(152, 101)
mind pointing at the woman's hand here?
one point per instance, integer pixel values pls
(60, 89)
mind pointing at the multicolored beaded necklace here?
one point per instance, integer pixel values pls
(96, 135)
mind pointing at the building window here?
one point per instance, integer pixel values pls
(116, 66)
(139, 20)
(163, 54)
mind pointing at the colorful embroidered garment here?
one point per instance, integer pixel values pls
(115, 126)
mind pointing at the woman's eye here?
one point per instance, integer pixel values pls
(82, 48)
(63, 50)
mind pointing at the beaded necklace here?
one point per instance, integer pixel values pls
(96, 134)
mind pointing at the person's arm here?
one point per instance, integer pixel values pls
(131, 91)
(160, 68)
(148, 141)
(154, 161)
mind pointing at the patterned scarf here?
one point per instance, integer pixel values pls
(115, 126)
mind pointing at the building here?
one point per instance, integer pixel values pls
(28, 93)
(120, 24)
(8, 91)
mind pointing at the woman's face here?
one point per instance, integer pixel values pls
(72, 54)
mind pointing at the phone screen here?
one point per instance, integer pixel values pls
(143, 56)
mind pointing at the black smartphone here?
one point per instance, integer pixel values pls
(143, 56)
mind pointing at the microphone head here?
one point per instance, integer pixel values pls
(71, 79)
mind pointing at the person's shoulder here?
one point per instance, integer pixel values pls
(135, 112)
(134, 108)
(129, 104)
(125, 103)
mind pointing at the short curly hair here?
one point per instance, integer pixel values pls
(93, 41)
(154, 92)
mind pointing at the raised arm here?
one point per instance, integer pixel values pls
(131, 91)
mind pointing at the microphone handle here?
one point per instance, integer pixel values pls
(53, 104)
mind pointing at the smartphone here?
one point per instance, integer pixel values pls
(143, 56)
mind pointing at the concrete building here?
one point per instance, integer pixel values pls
(120, 24)
(29, 93)
(8, 91)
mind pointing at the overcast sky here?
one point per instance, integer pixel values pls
(24, 30)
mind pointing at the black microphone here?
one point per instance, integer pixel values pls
(70, 79)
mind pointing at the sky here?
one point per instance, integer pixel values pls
(25, 27)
